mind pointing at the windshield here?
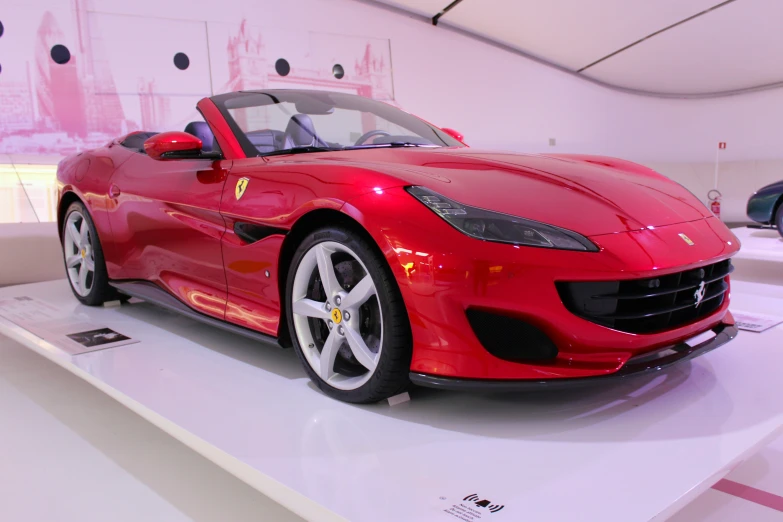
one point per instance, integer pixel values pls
(282, 122)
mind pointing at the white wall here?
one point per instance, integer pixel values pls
(737, 181)
(29, 252)
(499, 99)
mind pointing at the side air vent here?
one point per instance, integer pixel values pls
(509, 338)
(250, 232)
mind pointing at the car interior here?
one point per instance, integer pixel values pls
(300, 132)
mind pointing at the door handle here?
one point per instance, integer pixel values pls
(114, 191)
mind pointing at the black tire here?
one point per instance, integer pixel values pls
(101, 291)
(391, 373)
(779, 219)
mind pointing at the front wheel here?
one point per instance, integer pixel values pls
(348, 322)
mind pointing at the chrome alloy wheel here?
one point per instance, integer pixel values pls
(79, 254)
(337, 315)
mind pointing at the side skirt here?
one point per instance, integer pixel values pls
(153, 294)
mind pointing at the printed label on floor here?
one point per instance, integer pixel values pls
(753, 322)
(24, 310)
(474, 508)
(98, 337)
(57, 327)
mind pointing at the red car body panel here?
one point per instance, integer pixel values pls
(223, 134)
(167, 228)
(600, 199)
(442, 272)
(172, 222)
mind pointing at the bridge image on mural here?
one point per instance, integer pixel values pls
(52, 108)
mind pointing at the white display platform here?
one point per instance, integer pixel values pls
(633, 451)
(761, 244)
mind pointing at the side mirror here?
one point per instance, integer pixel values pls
(454, 134)
(173, 145)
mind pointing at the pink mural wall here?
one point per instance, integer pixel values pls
(121, 75)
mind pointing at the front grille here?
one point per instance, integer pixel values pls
(649, 305)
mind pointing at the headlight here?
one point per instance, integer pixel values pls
(501, 228)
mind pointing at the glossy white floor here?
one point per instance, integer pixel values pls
(70, 453)
(637, 451)
(759, 244)
(753, 492)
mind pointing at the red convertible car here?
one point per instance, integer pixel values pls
(386, 252)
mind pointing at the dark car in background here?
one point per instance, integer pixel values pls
(766, 206)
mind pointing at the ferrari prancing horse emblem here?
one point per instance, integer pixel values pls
(685, 238)
(699, 294)
(337, 315)
(241, 186)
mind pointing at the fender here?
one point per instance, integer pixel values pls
(92, 173)
(383, 214)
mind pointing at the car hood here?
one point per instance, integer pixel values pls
(591, 195)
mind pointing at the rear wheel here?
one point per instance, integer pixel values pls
(779, 219)
(83, 256)
(348, 322)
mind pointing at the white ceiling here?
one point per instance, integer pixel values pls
(733, 47)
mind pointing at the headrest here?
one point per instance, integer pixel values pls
(301, 131)
(201, 130)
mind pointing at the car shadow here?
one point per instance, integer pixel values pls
(604, 411)
(269, 357)
(636, 408)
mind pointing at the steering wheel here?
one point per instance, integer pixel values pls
(367, 135)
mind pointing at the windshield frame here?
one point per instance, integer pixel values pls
(222, 101)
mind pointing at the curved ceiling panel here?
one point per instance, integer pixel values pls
(739, 46)
(662, 47)
(428, 8)
(569, 33)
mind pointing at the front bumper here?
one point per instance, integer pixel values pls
(635, 367)
(443, 273)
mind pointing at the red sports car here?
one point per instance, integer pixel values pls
(387, 252)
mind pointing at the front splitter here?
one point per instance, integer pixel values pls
(645, 364)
